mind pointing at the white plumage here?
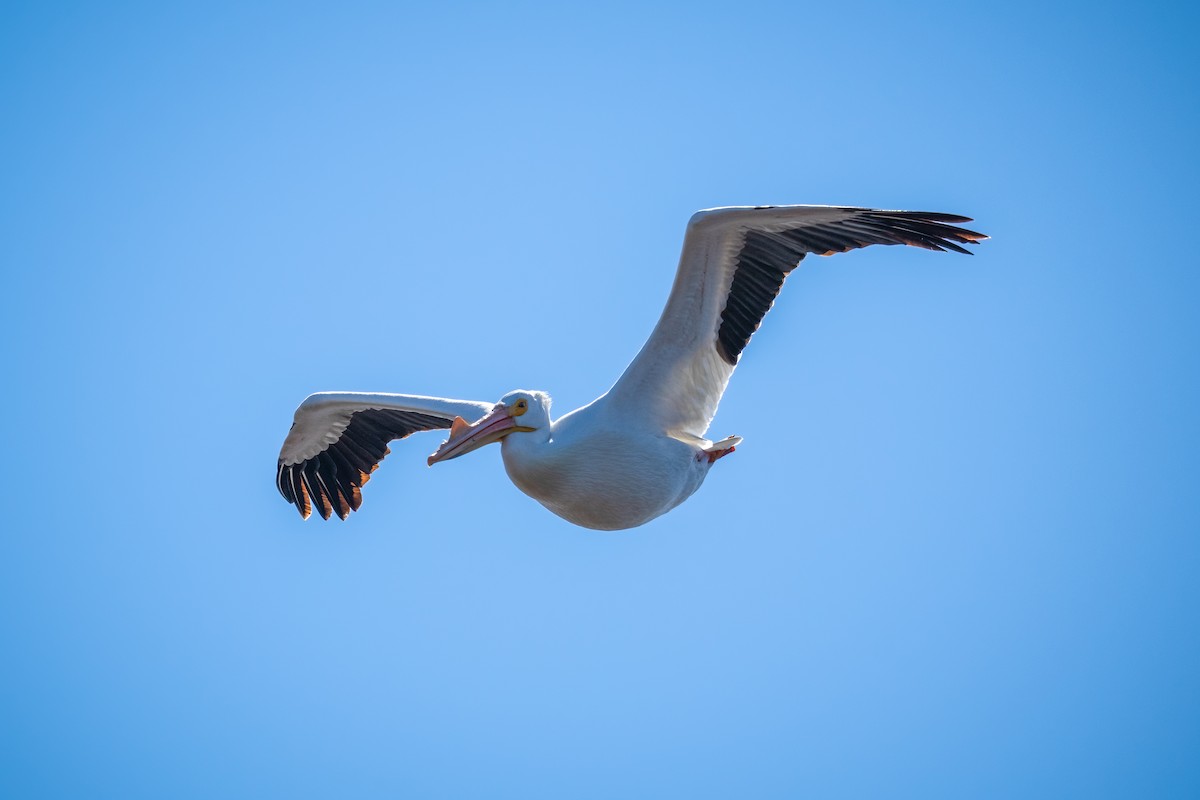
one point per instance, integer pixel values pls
(640, 449)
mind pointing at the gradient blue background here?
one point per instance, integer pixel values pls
(956, 557)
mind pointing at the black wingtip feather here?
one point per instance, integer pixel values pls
(318, 488)
(283, 482)
(313, 489)
(332, 480)
(298, 492)
(765, 259)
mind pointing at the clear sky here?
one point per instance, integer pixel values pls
(956, 557)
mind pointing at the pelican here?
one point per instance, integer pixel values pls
(639, 450)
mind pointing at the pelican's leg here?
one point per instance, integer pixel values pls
(722, 448)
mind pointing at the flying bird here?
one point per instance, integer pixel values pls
(639, 450)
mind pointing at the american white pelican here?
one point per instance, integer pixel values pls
(639, 450)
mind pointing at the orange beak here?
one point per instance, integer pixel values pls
(464, 438)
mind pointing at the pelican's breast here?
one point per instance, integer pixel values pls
(607, 480)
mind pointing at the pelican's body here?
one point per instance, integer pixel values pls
(645, 473)
(640, 449)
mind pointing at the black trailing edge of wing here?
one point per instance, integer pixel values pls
(766, 258)
(332, 480)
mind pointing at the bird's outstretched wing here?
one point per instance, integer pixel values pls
(733, 265)
(338, 439)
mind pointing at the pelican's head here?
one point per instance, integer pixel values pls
(518, 411)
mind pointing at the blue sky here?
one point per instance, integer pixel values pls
(956, 555)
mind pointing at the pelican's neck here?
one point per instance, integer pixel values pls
(529, 460)
(522, 443)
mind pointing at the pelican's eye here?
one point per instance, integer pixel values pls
(519, 408)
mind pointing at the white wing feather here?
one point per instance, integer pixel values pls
(338, 439)
(675, 383)
(324, 416)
